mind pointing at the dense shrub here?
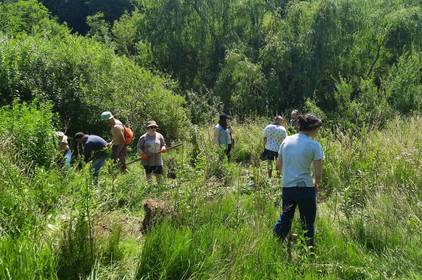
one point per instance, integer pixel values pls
(27, 134)
(404, 83)
(28, 17)
(82, 78)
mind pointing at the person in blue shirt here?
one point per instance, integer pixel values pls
(296, 157)
(94, 150)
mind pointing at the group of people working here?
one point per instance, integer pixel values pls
(95, 149)
(298, 157)
(295, 157)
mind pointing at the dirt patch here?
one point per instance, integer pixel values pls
(129, 224)
(155, 210)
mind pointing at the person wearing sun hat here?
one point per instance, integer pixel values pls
(150, 146)
(119, 147)
(64, 148)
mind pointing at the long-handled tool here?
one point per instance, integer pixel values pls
(146, 157)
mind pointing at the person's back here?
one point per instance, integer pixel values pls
(94, 143)
(297, 155)
(116, 132)
(94, 150)
(298, 152)
(119, 147)
(275, 135)
(222, 135)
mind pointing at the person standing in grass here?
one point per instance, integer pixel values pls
(119, 147)
(223, 134)
(294, 119)
(296, 156)
(274, 134)
(150, 147)
(64, 148)
(94, 149)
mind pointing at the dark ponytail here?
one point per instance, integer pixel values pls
(223, 120)
(308, 122)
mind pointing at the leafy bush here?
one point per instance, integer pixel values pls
(361, 106)
(82, 78)
(240, 85)
(404, 83)
(203, 106)
(27, 134)
(28, 17)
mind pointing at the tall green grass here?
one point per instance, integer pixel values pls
(56, 224)
(26, 258)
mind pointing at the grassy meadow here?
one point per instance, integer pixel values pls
(54, 224)
(357, 64)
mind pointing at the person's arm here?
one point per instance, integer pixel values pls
(163, 145)
(216, 135)
(265, 136)
(317, 173)
(141, 145)
(279, 164)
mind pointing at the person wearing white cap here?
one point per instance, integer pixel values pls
(64, 148)
(119, 147)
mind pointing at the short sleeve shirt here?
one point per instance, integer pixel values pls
(275, 135)
(151, 145)
(224, 135)
(93, 143)
(298, 153)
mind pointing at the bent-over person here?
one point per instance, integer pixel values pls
(94, 149)
(64, 148)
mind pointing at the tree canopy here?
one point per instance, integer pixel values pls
(255, 57)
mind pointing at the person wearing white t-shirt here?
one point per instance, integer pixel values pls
(296, 157)
(274, 134)
(223, 135)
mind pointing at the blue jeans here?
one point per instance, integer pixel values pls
(305, 198)
(67, 157)
(97, 163)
